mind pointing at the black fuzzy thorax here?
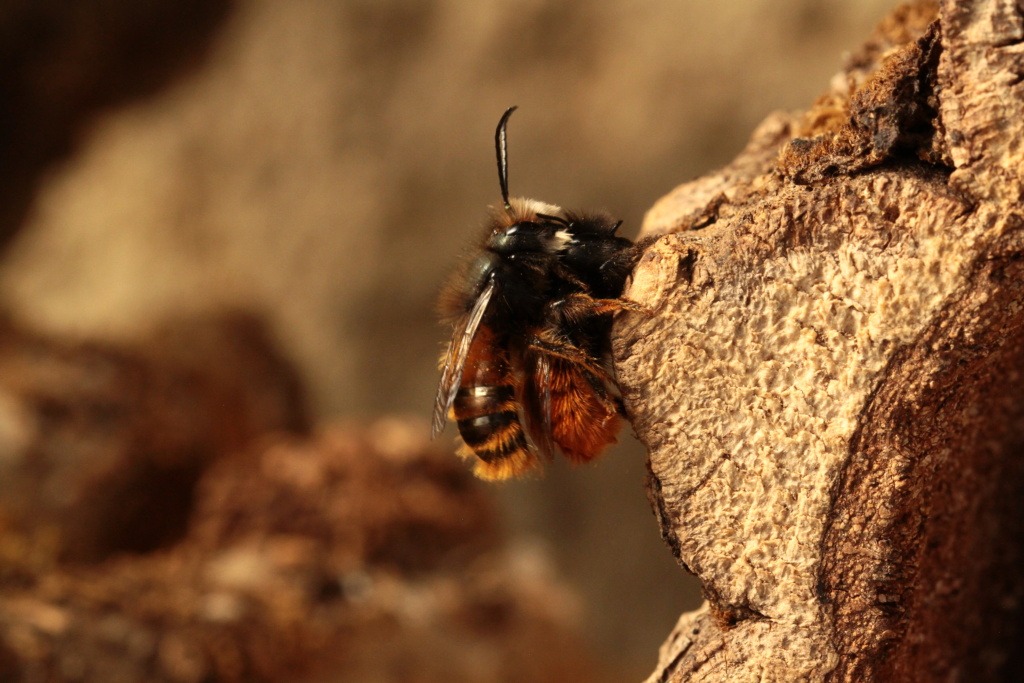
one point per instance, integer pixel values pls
(530, 285)
(538, 261)
(597, 257)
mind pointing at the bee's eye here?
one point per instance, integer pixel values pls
(481, 269)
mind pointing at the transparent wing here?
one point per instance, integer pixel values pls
(455, 361)
(535, 398)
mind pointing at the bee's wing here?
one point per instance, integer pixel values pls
(455, 361)
(535, 398)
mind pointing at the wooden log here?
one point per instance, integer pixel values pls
(830, 384)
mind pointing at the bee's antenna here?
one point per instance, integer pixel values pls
(501, 145)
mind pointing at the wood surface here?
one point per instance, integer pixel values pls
(829, 384)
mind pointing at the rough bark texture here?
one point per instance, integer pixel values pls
(830, 384)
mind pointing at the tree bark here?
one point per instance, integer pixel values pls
(829, 385)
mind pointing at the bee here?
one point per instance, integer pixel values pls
(531, 319)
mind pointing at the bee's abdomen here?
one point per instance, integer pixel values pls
(494, 436)
(487, 412)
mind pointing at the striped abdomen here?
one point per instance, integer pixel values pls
(487, 412)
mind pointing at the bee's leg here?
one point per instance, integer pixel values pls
(549, 345)
(612, 402)
(612, 305)
(580, 305)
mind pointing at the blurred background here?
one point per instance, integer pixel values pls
(324, 163)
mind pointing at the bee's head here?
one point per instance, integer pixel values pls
(525, 226)
(528, 226)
